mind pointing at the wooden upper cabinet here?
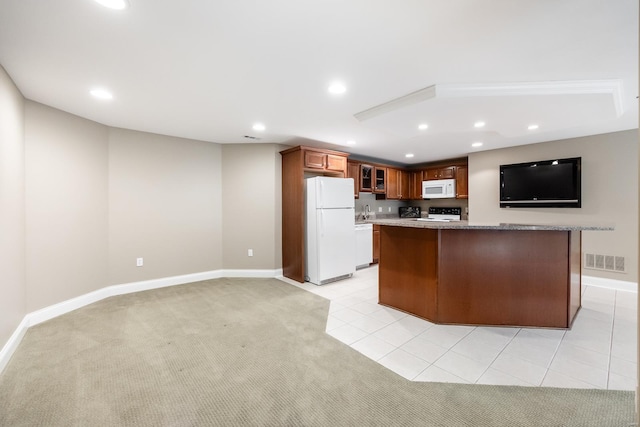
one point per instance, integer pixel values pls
(440, 173)
(405, 185)
(398, 184)
(353, 171)
(336, 163)
(379, 180)
(373, 179)
(332, 162)
(314, 159)
(393, 183)
(462, 182)
(366, 178)
(415, 186)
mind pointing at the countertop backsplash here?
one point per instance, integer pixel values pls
(388, 209)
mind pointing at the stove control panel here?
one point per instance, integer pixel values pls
(445, 211)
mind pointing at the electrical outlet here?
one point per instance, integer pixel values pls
(389, 208)
(139, 262)
(380, 209)
(250, 252)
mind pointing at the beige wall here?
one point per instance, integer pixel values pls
(97, 198)
(164, 206)
(609, 192)
(12, 219)
(252, 203)
(66, 205)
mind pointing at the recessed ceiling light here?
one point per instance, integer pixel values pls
(351, 142)
(423, 126)
(337, 88)
(477, 144)
(114, 4)
(258, 127)
(101, 94)
(409, 155)
(533, 127)
(479, 124)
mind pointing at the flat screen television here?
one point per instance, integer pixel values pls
(544, 184)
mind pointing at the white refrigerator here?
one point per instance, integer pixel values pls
(330, 229)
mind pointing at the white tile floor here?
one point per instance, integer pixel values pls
(600, 350)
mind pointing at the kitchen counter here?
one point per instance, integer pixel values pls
(467, 225)
(482, 274)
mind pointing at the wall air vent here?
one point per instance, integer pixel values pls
(252, 137)
(605, 262)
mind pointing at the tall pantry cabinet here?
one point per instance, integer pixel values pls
(297, 163)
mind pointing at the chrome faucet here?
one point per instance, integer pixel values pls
(366, 213)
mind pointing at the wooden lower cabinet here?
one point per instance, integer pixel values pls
(376, 243)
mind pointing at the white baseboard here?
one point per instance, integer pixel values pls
(63, 307)
(11, 345)
(618, 285)
(252, 273)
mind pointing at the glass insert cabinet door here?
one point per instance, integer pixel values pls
(366, 178)
(373, 179)
(380, 174)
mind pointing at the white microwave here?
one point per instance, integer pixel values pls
(439, 189)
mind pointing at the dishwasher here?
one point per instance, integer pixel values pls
(364, 245)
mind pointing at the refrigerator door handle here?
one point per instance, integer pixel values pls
(320, 211)
(320, 191)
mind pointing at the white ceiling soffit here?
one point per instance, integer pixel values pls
(581, 87)
(507, 108)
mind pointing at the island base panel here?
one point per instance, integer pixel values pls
(482, 277)
(407, 270)
(500, 277)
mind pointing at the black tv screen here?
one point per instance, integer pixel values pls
(544, 184)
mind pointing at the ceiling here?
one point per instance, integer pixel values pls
(210, 69)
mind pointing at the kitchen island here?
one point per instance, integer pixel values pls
(482, 274)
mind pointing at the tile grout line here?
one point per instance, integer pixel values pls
(555, 353)
(498, 355)
(444, 354)
(363, 292)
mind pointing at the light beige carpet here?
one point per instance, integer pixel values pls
(234, 352)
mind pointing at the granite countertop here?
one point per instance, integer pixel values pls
(470, 225)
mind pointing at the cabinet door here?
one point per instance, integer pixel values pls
(380, 183)
(447, 173)
(313, 159)
(416, 185)
(440, 173)
(462, 182)
(353, 171)
(405, 179)
(393, 184)
(376, 243)
(430, 174)
(336, 163)
(366, 178)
